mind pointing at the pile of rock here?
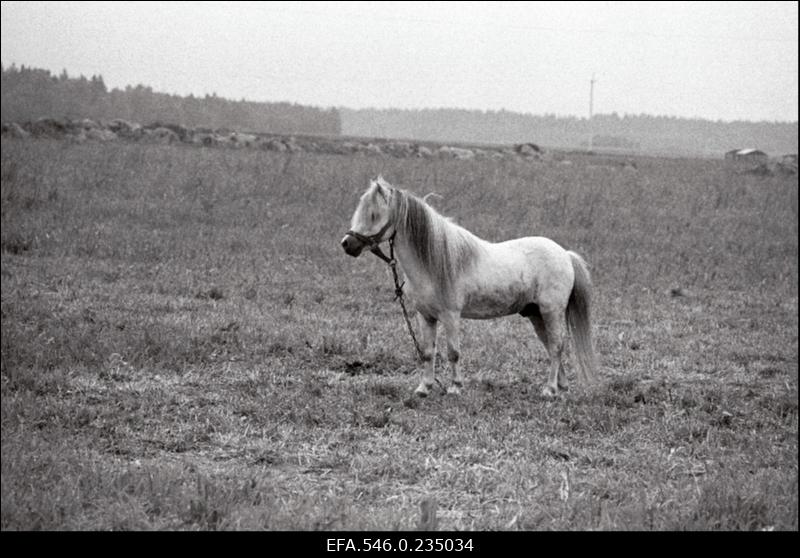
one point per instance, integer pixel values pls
(164, 133)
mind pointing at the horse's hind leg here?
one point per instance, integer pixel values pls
(556, 328)
(534, 315)
(538, 326)
(541, 333)
(450, 323)
(427, 327)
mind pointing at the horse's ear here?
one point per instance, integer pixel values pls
(431, 195)
(380, 189)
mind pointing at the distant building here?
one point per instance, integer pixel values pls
(788, 164)
(750, 155)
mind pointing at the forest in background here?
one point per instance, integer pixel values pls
(30, 93)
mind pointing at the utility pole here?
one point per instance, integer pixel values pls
(591, 110)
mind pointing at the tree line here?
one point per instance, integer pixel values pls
(31, 93)
(646, 133)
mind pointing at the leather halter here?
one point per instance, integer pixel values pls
(373, 242)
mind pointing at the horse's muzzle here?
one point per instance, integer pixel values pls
(352, 245)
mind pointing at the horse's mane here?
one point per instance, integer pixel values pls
(443, 248)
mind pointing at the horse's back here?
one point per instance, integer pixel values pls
(539, 246)
(540, 253)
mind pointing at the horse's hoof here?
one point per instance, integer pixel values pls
(548, 391)
(454, 390)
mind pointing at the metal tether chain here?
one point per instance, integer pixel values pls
(398, 289)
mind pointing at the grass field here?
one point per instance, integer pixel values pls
(186, 346)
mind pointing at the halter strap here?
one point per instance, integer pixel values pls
(373, 242)
(378, 252)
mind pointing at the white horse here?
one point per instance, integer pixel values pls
(453, 274)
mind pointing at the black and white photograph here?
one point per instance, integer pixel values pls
(396, 275)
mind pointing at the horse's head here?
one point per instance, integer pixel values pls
(372, 220)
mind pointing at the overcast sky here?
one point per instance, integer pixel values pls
(717, 60)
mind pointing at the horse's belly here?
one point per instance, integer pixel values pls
(485, 304)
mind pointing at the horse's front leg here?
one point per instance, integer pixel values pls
(450, 321)
(427, 328)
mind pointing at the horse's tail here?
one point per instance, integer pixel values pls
(578, 318)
